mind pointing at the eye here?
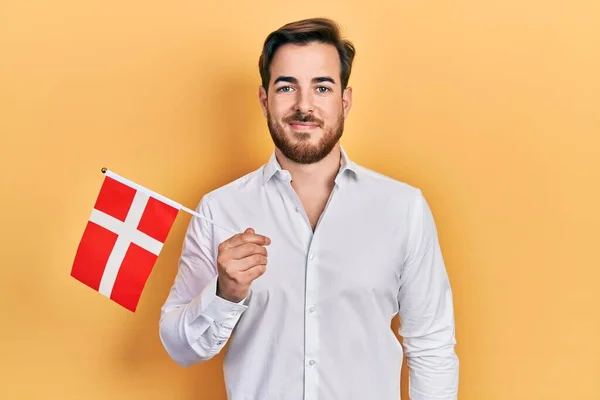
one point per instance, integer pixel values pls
(323, 89)
(284, 89)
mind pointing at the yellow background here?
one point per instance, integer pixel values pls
(491, 107)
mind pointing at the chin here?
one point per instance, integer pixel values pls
(305, 134)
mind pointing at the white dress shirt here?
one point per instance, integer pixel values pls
(316, 325)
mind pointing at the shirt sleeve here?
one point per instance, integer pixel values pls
(426, 311)
(195, 323)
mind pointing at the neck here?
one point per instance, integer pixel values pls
(319, 174)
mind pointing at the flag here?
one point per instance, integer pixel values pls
(123, 239)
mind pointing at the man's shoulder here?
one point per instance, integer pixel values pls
(239, 186)
(380, 182)
(387, 194)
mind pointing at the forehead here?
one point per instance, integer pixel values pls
(305, 62)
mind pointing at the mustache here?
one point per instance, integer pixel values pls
(300, 117)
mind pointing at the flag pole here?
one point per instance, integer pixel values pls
(104, 170)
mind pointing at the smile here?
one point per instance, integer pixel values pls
(303, 126)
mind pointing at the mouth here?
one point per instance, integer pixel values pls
(303, 126)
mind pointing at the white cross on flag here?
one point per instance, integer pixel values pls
(122, 240)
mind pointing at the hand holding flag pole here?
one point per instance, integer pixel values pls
(123, 238)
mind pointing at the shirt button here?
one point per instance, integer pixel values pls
(234, 314)
(312, 309)
(312, 362)
(297, 209)
(312, 256)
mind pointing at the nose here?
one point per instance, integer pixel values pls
(304, 101)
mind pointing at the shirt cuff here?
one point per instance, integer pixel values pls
(215, 307)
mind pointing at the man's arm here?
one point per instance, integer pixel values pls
(427, 312)
(195, 323)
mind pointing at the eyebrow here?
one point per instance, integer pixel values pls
(291, 79)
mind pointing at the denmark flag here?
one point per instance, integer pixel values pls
(122, 239)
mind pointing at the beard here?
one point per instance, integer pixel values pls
(303, 152)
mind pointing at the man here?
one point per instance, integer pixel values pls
(305, 296)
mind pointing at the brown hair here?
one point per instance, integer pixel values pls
(302, 32)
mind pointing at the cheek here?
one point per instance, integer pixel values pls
(279, 107)
(332, 113)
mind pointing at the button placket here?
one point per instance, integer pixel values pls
(311, 323)
(295, 202)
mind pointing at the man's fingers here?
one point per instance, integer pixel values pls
(245, 250)
(250, 261)
(247, 237)
(255, 271)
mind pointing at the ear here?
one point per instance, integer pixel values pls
(262, 97)
(347, 100)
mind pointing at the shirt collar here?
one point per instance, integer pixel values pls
(347, 167)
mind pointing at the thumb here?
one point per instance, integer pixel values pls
(249, 230)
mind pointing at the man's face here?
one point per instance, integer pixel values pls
(305, 107)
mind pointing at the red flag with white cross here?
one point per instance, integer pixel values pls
(123, 239)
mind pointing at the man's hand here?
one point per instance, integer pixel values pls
(241, 259)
